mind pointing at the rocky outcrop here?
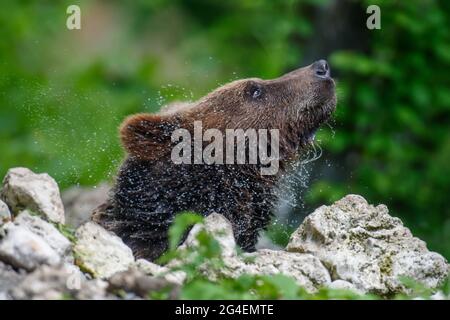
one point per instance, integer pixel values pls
(30, 242)
(59, 282)
(365, 246)
(5, 214)
(100, 252)
(153, 269)
(38, 192)
(349, 245)
(22, 248)
(9, 279)
(306, 269)
(133, 281)
(46, 231)
(79, 202)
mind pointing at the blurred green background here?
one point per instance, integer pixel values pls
(63, 93)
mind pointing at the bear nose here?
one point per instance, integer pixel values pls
(321, 69)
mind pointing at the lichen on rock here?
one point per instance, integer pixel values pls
(100, 252)
(349, 245)
(59, 282)
(5, 214)
(22, 248)
(24, 189)
(46, 231)
(367, 247)
(305, 269)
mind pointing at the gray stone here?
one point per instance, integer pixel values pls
(305, 269)
(23, 189)
(440, 296)
(136, 282)
(46, 231)
(220, 228)
(100, 252)
(5, 215)
(153, 269)
(365, 246)
(22, 248)
(9, 278)
(264, 242)
(343, 285)
(59, 282)
(80, 202)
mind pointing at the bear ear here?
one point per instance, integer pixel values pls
(148, 136)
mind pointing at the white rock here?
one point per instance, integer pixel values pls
(46, 231)
(367, 247)
(24, 249)
(264, 242)
(137, 283)
(23, 189)
(5, 215)
(220, 228)
(80, 202)
(153, 269)
(344, 285)
(100, 252)
(306, 269)
(9, 278)
(150, 268)
(440, 296)
(59, 282)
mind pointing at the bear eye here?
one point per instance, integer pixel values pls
(255, 91)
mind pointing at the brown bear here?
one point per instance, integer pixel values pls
(151, 189)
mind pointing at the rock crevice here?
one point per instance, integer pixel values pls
(348, 245)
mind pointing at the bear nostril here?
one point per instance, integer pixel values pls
(321, 68)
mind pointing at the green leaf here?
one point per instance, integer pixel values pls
(182, 222)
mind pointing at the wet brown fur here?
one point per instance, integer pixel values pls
(151, 189)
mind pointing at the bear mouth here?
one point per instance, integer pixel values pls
(308, 137)
(311, 136)
(316, 117)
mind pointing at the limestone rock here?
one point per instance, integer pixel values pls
(23, 189)
(343, 285)
(5, 215)
(79, 202)
(365, 246)
(46, 231)
(136, 282)
(306, 269)
(153, 269)
(100, 252)
(22, 248)
(59, 282)
(220, 228)
(9, 278)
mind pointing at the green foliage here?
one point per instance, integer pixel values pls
(66, 231)
(417, 289)
(253, 287)
(278, 233)
(206, 255)
(64, 93)
(393, 118)
(181, 223)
